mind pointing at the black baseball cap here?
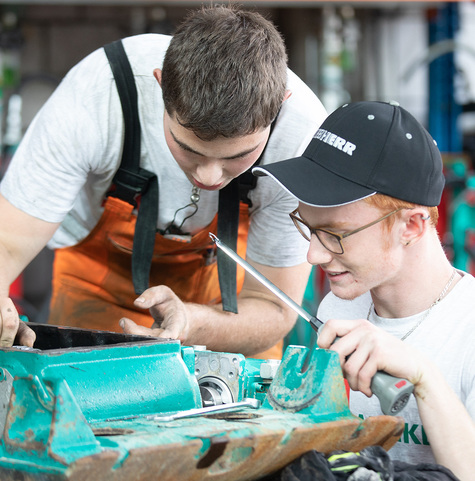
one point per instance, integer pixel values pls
(361, 149)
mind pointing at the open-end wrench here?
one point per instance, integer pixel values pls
(393, 393)
(220, 408)
(189, 413)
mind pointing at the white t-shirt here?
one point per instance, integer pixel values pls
(73, 148)
(446, 336)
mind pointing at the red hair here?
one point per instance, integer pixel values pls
(386, 204)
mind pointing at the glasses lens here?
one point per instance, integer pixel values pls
(329, 241)
(301, 227)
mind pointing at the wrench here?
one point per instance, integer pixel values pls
(229, 407)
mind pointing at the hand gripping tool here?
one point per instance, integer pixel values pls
(393, 393)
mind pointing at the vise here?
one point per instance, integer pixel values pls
(85, 404)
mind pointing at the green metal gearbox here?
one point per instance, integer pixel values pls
(86, 404)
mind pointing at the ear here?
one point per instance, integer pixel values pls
(287, 94)
(157, 73)
(417, 222)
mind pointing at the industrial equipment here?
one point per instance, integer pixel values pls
(85, 404)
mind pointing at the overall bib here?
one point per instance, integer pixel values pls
(94, 280)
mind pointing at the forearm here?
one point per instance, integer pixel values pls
(259, 325)
(10, 325)
(21, 238)
(262, 318)
(11, 269)
(449, 427)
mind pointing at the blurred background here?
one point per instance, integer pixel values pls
(421, 54)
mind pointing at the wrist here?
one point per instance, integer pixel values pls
(430, 382)
(192, 323)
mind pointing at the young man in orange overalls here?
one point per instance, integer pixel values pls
(141, 152)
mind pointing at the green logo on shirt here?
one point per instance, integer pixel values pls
(413, 434)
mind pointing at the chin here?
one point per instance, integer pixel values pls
(345, 294)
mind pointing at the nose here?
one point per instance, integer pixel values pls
(209, 172)
(317, 254)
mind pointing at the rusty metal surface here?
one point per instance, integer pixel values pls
(79, 413)
(227, 458)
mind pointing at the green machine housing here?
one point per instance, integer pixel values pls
(85, 404)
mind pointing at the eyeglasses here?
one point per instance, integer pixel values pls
(331, 240)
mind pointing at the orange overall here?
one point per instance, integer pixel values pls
(92, 286)
(93, 281)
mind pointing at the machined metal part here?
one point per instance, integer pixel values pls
(219, 376)
(214, 391)
(268, 369)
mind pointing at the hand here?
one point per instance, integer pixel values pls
(168, 311)
(11, 327)
(364, 349)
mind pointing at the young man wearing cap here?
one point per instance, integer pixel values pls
(368, 187)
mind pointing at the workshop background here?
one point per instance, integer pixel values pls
(420, 54)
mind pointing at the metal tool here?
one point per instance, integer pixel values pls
(393, 393)
(220, 408)
(315, 323)
(191, 413)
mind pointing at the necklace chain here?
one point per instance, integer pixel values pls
(194, 199)
(426, 314)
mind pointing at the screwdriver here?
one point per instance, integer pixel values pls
(393, 393)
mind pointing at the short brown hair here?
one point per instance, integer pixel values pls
(386, 204)
(225, 72)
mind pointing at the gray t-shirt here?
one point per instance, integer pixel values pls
(73, 147)
(446, 336)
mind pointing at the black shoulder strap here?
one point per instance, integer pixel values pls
(131, 180)
(227, 231)
(228, 225)
(247, 180)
